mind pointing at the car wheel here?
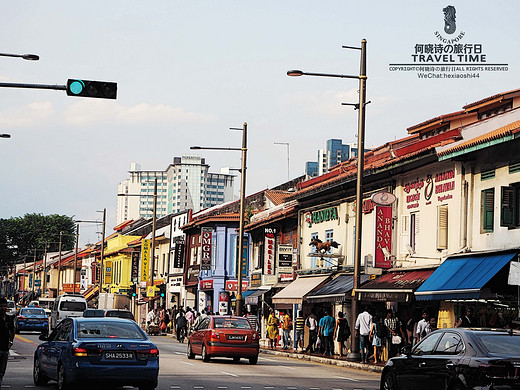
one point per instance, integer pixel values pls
(388, 382)
(236, 359)
(39, 377)
(62, 379)
(205, 356)
(189, 352)
(253, 360)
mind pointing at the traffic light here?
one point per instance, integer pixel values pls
(132, 291)
(93, 89)
(162, 290)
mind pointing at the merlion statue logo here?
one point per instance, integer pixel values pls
(449, 19)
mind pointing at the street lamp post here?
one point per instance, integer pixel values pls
(354, 355)
(100, 276)
(239, 301)
(5, 135)
(29, 57)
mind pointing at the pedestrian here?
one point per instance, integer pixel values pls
(181, 325)
(341, 333)
(363, 326)
(312, 323)
(287, 327)
(394, 336)
(326, 333)
(190, 317)
(300, 328)
(6, 336)
(466, 321)
(272, 329)
(422, 325)
(411, 328)
(376, 337)
(253, 319)
(200, 318)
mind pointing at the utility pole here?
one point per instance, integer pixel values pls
(59, 267)
(75, 261)
(44, 274)
(102, 252)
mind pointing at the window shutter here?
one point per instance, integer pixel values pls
(507, 207)
(488, 207)
(442, 227)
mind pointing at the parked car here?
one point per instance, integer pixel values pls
(11, 308)
(31, 318)
(457, 359)
(224, 336)
(109, 351)
(67, 305)
(120, 313)
(94, 313)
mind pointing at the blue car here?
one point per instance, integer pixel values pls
(105, 350)
(31, 318)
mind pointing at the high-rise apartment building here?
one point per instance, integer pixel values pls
(334, 153)
(185, 184)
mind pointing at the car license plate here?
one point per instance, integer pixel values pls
(235, 337)
(119, 355)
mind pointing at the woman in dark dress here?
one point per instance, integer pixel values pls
(342, 333)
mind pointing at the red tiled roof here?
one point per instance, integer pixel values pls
(277, 196)
(498, 97)
(437, 121)
(122, 225)
(501, 132)
(228, 217)
(275, 216)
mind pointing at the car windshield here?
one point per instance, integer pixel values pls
(502, 344)
(73, 306)
(32, 312)
(236, 323)
(120, 314)
(110, 330)
(10, 304)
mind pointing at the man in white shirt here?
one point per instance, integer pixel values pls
(422, 326)
(312, 323)
(363, 326)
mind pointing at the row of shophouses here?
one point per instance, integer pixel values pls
(450, 239)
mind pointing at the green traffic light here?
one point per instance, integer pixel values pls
(76, 87)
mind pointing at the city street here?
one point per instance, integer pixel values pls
(179, 373)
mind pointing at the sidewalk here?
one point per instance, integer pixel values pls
(318, 358)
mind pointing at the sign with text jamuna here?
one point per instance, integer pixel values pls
(205, 263)
(232, 285)
(383, 236)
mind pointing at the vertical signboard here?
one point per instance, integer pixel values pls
(145, 260)
(269, 250)
(178, 255)
(205, 262)
(245, 256)
(285, 258)
(108, 271)
(383, 236)
(135, 266)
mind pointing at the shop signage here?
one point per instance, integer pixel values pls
(108, 272)
(324, 215)
(178, 255)
(69, 287)
(367, 207)
(285, 258)
(175, 284)
(193, 274)
(232, 285)
(441, 184)
(383, 236)
(145, 260)
(245, 256)
(286, 277)
(206, 284)
(256, 280)
(135, 266)
(223, 302)
(205, 263)
(269, 250)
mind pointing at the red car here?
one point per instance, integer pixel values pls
(224, 336)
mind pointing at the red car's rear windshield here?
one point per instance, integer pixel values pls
(235, 323)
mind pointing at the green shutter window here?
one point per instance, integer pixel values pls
(488, 210)
(507, 207)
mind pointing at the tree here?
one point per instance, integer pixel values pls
(19, 236)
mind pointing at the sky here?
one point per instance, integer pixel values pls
(187, 71)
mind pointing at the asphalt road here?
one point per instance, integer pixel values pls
(179, 373)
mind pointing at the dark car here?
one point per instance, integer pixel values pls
(94, 313)
(224, 336)
(120, 313)
(31, 318)
(110, 351)
(457, 359)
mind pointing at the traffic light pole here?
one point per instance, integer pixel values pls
(79, 88)
(34, 86)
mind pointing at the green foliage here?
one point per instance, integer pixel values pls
(19, 236)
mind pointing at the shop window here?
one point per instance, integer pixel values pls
(509, 206)
(442, 227)
(329, 236)
(487, 210)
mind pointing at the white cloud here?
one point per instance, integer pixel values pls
(88, 112)
(32, 114)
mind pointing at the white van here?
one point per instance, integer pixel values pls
(67, 305)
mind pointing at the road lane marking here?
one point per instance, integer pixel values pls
(29, 386)
(24, 340)
(188, 363)
(175, 387)
(198, 387)
(222, 387)
(268, 387)
(245, 387)
(228, 373)
(289, 368)
(180, 353)
(347, 379)
(292, 388)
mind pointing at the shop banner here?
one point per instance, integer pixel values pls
(145, 260)
(285, 258)
(178, 256)
(135, 266)
(269, 250)
(108, 272)
(206, 241)
(383, 237)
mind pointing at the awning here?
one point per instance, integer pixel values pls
(463, 277)
(394, 286)
(335, 290)
(91, 292)
(248, 293)
(295, 292)
(253, 298)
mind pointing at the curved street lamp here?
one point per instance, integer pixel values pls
(29, 57)
(5, 135)
(360, 168)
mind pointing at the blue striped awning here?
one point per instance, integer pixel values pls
(463, 277)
